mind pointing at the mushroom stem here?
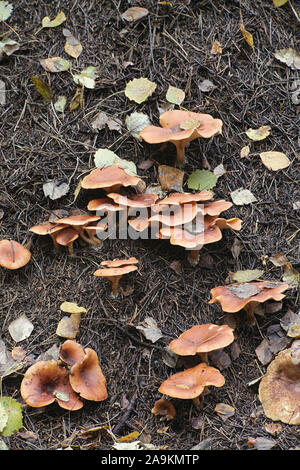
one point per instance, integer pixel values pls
(180, 149)
(115, 285)
(193, 257)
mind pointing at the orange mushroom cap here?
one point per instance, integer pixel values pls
(279, 389)
(45, 382)
(13, 255)
(190, 383)
(235, 297)
(110, 179)
(202, 338)
(87, 379)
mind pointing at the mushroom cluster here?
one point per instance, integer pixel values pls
(75, 376)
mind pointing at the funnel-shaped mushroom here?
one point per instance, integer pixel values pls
(190, 383)
(181, 127)
(87, 379)
(13, 255)
(201, 339)
(110, 179)
(45, 382)
(236, 297)
(115, 270)
(279, 389)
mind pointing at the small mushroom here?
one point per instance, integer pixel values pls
(181, 127)
(201, 339)
(46, 382)
(115, 270)
(13, 255)
(236, 297)
(164, 408)
(279, 389)
(87, 379)
(191, 383)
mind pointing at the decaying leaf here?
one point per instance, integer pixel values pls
(55, 64)
(13, 411)
(175, 95)
(105, 157)
(43, 88)
(247, 275)
(139, 89)
(274, 160)
(5, 10)
(241, 197)
(134, 13)
(72, 46)
(150, 329)
(136, 122)
(290, 57)
(258, 134)
(20, 329)
(201, 179)
(170, 178)
(55, 189)
(247, 36)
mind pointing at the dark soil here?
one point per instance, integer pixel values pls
(171, 46)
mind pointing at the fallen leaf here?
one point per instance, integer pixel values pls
(60, 104)
(290, 57)
(258, 134)
(5, 10)
(170, 178)
(245, 151)
(201, 179)
(216, 48)
(136, 122)
(55, 64)
(150, 329)
(247, 275)
(247, 36)
(105, 157)
(134, 14)
(55, 189)
(274, 160)
(139, 89)
(86, 77)
(175, 95)
(206, 86)
(20, 329)
(43, 88)
(72, 46)
(241, 197)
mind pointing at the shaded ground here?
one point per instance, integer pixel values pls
(170, 47)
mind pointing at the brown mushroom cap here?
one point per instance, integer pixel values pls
(190, 383)
(279, 389)
(45, 382)
(235, 297)
(71, 352)
(164, 407)
(13, 255)
(202, 338)
(87, 379)
(110, 179)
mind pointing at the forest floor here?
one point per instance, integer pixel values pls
(170, 46)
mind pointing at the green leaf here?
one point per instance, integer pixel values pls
(202, 179)
(5, 10)
(14, 413)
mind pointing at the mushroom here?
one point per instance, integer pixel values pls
(46, 382)
(181, 127)
(110, 179)
(279, 389)
(201, 339)
(191, 383)
(115, 270)
(13, 255)
(48, 228)
(87, 379)
(164, 408)
(236, 297)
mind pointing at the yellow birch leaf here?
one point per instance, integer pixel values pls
(247, 36)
